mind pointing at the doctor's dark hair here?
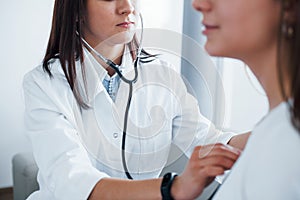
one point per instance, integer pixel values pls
(289, 44)
(65, 45)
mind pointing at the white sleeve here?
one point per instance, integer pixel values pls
(190, 127)
(63, 162)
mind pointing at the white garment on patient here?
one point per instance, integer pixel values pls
(269, 168)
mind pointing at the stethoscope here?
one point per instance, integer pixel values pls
(114, 66)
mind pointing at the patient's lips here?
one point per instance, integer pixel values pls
(208, 28)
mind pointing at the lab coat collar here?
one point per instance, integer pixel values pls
(95, 73)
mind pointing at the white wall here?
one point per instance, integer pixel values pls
(159, 19)
(25, 26)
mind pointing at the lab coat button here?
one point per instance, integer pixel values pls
(115, 135)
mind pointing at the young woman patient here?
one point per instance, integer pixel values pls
(265, 34)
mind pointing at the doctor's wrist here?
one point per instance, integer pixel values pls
(167, 185)
(177, 190)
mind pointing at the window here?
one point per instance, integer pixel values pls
(246, 101)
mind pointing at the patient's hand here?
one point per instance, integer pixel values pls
(205, 164)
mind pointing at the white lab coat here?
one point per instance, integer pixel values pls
(75, 148)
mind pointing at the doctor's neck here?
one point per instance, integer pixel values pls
(112, 52)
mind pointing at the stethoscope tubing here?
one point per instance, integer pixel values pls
(130, 83)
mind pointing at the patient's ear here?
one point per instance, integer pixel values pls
(289, 18)
(290, 10)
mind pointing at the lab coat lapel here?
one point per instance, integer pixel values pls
(102, 120)
(94, 75)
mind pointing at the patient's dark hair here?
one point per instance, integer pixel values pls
(65, 45)
(289, 35)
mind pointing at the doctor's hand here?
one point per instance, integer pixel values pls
(205, 164)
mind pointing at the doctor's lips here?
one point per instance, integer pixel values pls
(125, 24)
(208, 28)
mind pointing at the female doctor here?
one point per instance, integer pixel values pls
(76, 105)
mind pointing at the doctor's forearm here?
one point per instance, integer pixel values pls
(109, 188)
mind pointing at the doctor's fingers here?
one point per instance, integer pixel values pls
(208, 173)
(202, 152)
(216, 161)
